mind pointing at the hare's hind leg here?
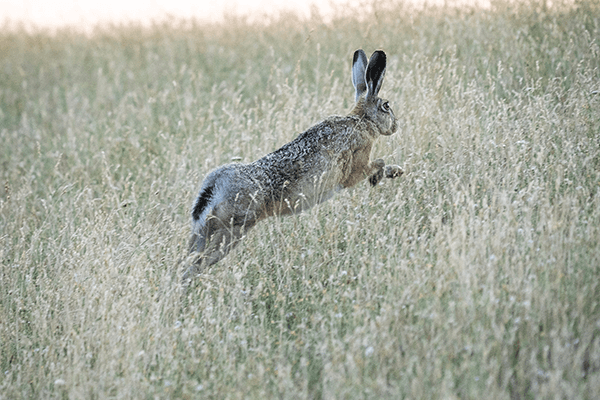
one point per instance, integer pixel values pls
(214, 246)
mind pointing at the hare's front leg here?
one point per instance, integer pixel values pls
(381, 170)
(393, 171)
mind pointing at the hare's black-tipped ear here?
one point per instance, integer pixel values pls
(359, 64)
(375, 73)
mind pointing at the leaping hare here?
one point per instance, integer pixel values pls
(328, 157)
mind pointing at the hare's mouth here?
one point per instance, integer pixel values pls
(392, 129)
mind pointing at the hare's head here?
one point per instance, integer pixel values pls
(367, 77)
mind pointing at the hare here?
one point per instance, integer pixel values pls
(332, 155)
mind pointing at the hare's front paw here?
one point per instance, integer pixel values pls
(393, 171)
(379, 166)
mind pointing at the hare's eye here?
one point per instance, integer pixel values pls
(385, 106)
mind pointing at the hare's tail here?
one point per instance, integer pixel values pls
(211, 193)
(201, 207)
(205, 202)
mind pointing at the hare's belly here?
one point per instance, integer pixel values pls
(308, 197)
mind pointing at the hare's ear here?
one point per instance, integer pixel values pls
(359, 64)
(375, 73)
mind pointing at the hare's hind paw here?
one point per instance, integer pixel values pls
(393, 171)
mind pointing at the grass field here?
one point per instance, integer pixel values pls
(474, 275)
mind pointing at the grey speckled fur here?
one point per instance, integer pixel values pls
(332, 155)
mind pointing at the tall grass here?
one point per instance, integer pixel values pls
(474, 275)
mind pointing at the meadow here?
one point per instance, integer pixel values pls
(474, 275)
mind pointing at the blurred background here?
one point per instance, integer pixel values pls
(85, 14)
